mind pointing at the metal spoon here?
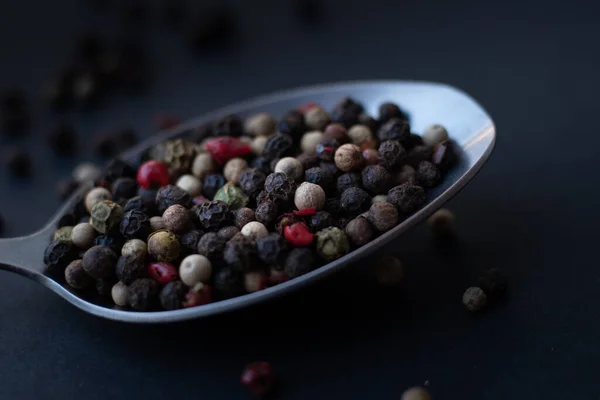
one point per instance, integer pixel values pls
(467, 122)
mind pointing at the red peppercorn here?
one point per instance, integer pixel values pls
(166, 121)
(306, 107)
(162, 272)
(258, 377)
(225, 148)
(298, 234)
(153, 175)
(306, 212)
(196, 298)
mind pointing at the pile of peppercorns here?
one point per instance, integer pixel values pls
(241, 205)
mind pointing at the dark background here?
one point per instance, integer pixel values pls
(532, 211)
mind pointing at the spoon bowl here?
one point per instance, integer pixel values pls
(469, 126)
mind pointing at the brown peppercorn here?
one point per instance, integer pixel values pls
(389, 271)
(416, 393)
(360, 134)
(441, 223)
(242, 216)
(406, 175)
(348, 157)
(376, 179)
(309, 142)
(474, 299)
(99, 262)
(76, 276)
(261, 124)
(316, 118)
(383, 216)
(228, 232)
(163, 246)
(177, 219)
(359, 231)
(142, 294)
(337, 132)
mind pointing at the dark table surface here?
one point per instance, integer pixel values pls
(531, 212)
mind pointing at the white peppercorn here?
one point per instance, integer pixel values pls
(434, 134)
(95, 196)
(254, 281)
(309, 142)
(348, 157)
(177, 219)
(195, 268)
(258, 144)
(416, 393)
(190, 184)
(389, 271)
(119, 294)
(86, 172)
(254, 230)
(261, 124)
(83, 235)
(291, 167)
(383, 216)
(135, 248)
(378, 198)
(309, 195)
(316, 118)
(441, 223)
(233, 170)
(203, 165)
(157, 224)
(360, 134)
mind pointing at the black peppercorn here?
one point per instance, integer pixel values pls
(172, 295)
(308, 161)
(300, 261)
(278, 146)
(392, 154)
(377, 180)
(266, 213)
(368, 121)
(170, 195)
(240, 253)
(261, 163)
(104, 286)
(124, 189)
(320, 221)
(293, 124)
(383, 216)
(428, 174)
(279, 186)
(321, 177)
(326, 149)
(493, 282)
(271, 248)
(242, 216)
(212, 184)
(252, 182)
(211, 246)
(407, 197)
(348, 180)
(418, 154)
(330, 168)
(359, 231)
(388, 111)
(76, 276)
(114, 242)
(189, 242)
(142, 293)
(99, 262)
(412, 141)
(229, 283)
(394, 129)
(135, 224)
(212, 215)
(66, 187)
(130, 268)
(67, 220)
(63, 139)
(444, 156)
(333, 207)
(118, 168)
(342, 223)
(19, 163)
(228, 232)
(229, 125)
(355, 201)
(346, 112)
(58, 255)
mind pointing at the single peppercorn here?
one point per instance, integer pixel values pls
(434, 134)
(360, 134)
(355, 201)
(58, 255)
(278, 145)
(258, 377)
(359, 231)
(291, 167)
(310, 141)
(271, 248)
(190, 184)
(114, 242)
(177, 219)
(86, 172)
(445, 156)
(383, 216)
(195, 268)
(172, 295)
(348, 158)
(212, 215)
(142, 294)
(211, 245)
(179, 155)
(376, 179)
(135, 224)
(76, 277)
(229, 283)
(333, 206)
(416, 393)
(320, 220)
(394, 129)
(253, 230)
(119, 294)
(388, 271)
(293, 124)
(242, 216)
(232, 195)
(261, 163)
(441, 223)
(83, 235)
(124, 189)
(300, 261)
(428, 174)
(346, 112)
(255, 281)
(331, 243)
(317, 118)
(252, 181)
(106, 216)
(136, 203)
(135, 248)
(388, 111)
(212, 184)
(240, 253)
(474, 299)
(371, 156)
(418, 154)
(494, 283)
(63, 233)
(228, 232)
(189, 242)
(406, 175)
(407, 197)
(309, 195)
(117, 168)
(279, 186)
(308, 161)
(233, 169)
(326, 149)
(229, 125)
(348, 180)
(170, 195)
(392, 154)
(130, 268)
(95, 196)
(337, 132)
(163, 246)
(321, 177)
(261, 124)
(99, 262)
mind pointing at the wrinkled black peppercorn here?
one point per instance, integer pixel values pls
(63, 139)
(300, 261)
(406, 197)
(104, 285)
(240, 253)
(394, 129)
(388, 111)
(123, 189)
(266, 213)
(444, 156)
(278, 146)
(189, 242)
(111, 241)
(320, 221)
(293, 124)
(212, 184)
(211, 245)
(271, 248)
(58, 255)
(170, 195)
(129, 269)
(228, 232)
(229, 283)
(252, 182)
(348, 180)
(136, 203)
(172, 295)
(330, 168)
(135, 224)
(346, 112)
(308, 161)
(279, 186)
(392, 154)
(118, 168)
(376, 179)
(428, 174)
(261, 163)
(355, 201)
(99, 262)
(229, 125)
(212, 215)
(333, 207)
(418, 154)
(321, 177)
(148, 200)
(142, 294)
(326, 148)
(493, 282)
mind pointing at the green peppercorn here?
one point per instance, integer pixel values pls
(179, 155)
(63, 233)
(163, 246)
(332, 243)
(106, 216)
(232, 195)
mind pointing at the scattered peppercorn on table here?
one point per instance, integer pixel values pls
(247, 205)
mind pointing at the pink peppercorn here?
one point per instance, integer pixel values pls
(298, 234)
(225, 148)
(162, 272)
(153, 174)
(258, 377)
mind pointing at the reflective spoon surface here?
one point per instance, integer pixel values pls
(469, 126)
